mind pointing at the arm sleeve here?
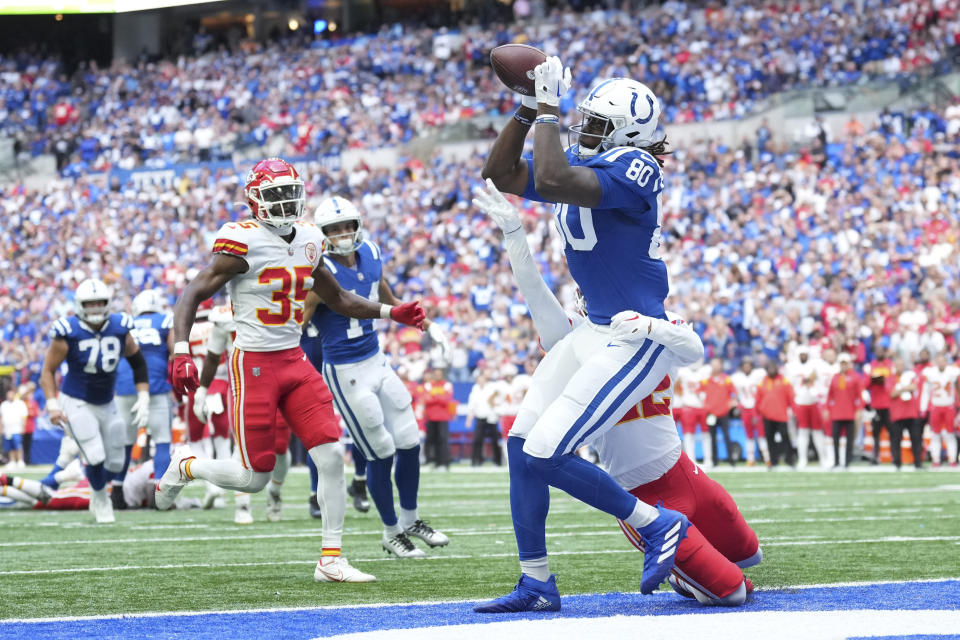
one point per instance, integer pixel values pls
(548, 316)
(139, 365)
(680, 339)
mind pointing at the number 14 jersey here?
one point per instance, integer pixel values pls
(268, 298)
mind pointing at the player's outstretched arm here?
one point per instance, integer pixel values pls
(553, 177)
(680, 339)
(56, 354)
(549, 318)
(353, 306)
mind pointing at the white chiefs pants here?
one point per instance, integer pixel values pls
(583, 386)
(375, 406)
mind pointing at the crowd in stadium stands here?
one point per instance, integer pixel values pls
(372, 91)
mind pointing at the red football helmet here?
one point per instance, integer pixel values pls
(275, 193)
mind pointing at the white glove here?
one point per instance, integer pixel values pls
(200, 404)
(630, 325)
(437, 335)
(141, 409)
(492, 203)
(551, 81)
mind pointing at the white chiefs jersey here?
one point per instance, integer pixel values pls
(746, 385)
(199, 335)
(644, 444)
(688, 386)
(825, 374)
(802, 376)
(268, 298)
(939, 387)
(220, 338)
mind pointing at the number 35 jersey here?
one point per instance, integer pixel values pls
(342, 339)
(268, 298)
(613, 249)
(92, 356)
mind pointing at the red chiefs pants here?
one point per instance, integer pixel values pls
(219, 421)
(690, 417)
(263, 382)
(718, 536)
(752, 423)
(808, 416)
(941, 419)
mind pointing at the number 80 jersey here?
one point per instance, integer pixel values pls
(268, 298)
(92, 356)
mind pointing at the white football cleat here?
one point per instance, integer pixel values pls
(242, 514)
(428, 534)
(400, 546)
(337, 569)
(210, 497)
(173, 479)
(101, 507)
(274, 506)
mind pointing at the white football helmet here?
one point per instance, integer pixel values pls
(147, 301)
(620, 112)
(333, 210)
(92, 301)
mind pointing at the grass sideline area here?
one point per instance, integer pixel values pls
(814, 528)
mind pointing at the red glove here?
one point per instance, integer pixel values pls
(185, 377)
(410, 313)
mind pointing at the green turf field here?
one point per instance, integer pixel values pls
(813, 527)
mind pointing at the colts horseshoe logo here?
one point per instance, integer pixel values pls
(633, 109)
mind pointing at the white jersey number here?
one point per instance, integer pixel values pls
(355, 330)
(589, 239)
(109, 346)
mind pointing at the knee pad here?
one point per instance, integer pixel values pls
(92, 451)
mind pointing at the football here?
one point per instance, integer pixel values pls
(514, 64)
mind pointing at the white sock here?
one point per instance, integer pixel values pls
(751, 450)
(16, 494)
(538, 569)
(241, 500)
(221, 448)
(228, 474)
(764, 449)
(843, 451)
(643, 514)
(390, 531)
(951, 447)
(331, 491)
(407, 517)
(934, 447)
(803, 443)
(279, 473)
(32, 488)
(690, 445)
(707, 441)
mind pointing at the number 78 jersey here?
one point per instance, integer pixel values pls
(268, 298)
(92, 356)
(613, 249)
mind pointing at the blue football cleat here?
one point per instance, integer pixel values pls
(528, 595)
(661, 539)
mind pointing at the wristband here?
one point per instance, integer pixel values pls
(385, 310)
(181, 348)
(522, 119)
(53, 405)
(548, 118)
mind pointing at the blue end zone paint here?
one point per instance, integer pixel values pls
(921, 637)
(327, 622)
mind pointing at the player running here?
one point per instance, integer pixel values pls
(152, 328)
(92, 343)
(269, 264)
(376, 407)
(644, 453)
(607, 188)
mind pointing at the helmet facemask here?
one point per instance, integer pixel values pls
(94, 311)
(279, 205)
(342, 242)
(592, 127)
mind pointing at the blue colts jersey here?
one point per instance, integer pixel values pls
(151, 331)
(613, 249)
(346, 339)
(93, 356)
